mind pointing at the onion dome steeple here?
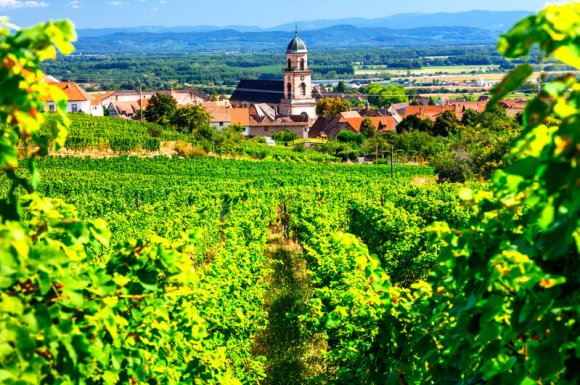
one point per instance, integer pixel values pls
(296, 45)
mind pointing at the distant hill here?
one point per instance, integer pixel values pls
(97, 32)
(341, 36)
(490, 20)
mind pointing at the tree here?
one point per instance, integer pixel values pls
(331, 107)
(414, 123)
(470, 118)
(189, 118)
(454, 167)
(446, 124)
(160, 109)
(420, 145)
(341, 87)
(384, 96)
(368, 128)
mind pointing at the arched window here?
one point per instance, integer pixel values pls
(302, 64)
(289, 64)
(289, 91)
(303, 88)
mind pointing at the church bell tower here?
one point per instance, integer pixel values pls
(297, 81)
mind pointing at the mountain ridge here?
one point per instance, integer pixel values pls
(489, 20)
(342, 36)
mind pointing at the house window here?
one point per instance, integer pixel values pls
(302, 64)
(266, 129)
(221, 124)
(303, 88)
(51, 107)
(74, 108)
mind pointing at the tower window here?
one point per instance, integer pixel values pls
(289, 91)
(303, 88)
(302, 64)
(289, 64)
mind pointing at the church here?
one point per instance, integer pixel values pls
(289, 97)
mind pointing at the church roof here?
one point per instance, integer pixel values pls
(296, 45)
(259, 91)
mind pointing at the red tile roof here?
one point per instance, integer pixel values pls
(99, 98)
(218, 113)
(354, 123)
(73, 92)
(240, 116)
(384, 123)
(464, 106)
(431, 112)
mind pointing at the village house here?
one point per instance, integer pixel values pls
(78, 99)
(459, 107)
(349, 121)
(222, 117)
(126, 101)
(127, 110)
(431, 112)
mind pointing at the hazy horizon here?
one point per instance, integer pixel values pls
(220, 13)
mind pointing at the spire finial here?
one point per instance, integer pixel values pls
(296, 30)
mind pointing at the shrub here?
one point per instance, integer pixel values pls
(454, 167)
(285, 136)
(188, 150)
(350, 137)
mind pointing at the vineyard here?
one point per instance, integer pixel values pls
(130, 270)
(94, 136)
(119, 135)
(235, 219)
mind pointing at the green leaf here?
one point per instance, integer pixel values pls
(510, 83)
(528, 381)
(525, 168)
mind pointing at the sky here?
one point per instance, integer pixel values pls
(262, 13)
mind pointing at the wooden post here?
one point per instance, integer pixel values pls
(392, 151)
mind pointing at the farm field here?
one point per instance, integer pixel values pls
(379, 70)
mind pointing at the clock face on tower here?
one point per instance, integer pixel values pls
(302, 77)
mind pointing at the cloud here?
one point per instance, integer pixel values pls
(22, 4)
(75, 4)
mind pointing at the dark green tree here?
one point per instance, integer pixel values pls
(455, 167)
(160, 109)
(189, 118)
(414, 123)
(368, 128)
(446, 124)
(470, 118)
(341, 87)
